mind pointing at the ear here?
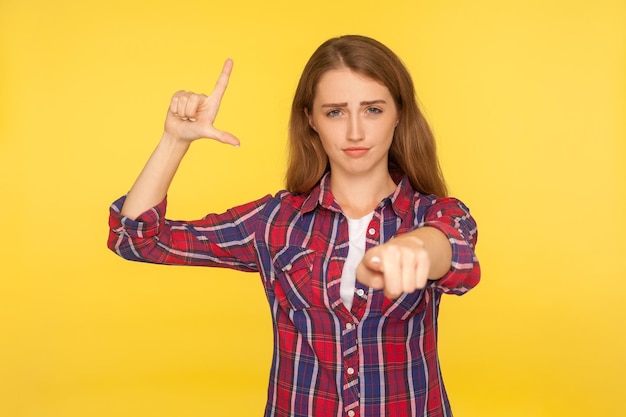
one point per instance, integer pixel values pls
(310, 117)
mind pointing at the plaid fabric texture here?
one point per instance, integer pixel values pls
(379, 358)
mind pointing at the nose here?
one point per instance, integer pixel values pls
(355, 128)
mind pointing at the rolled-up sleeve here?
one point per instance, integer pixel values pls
(218, 240)
(452, 218)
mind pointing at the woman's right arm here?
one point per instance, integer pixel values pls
(190, 117)
(138, 228)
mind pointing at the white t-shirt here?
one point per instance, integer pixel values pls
(356, 250)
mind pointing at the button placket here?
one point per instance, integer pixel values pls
(350, 364)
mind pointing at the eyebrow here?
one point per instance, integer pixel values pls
(363, 103)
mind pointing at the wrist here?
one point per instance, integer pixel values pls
(174, 144)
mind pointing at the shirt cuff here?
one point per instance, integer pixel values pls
(464, 273)
(146, 225)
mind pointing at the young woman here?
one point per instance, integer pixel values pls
(353, 256)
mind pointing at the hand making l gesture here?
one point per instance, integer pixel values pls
(191, 115)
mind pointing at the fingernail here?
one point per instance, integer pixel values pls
(375, 260)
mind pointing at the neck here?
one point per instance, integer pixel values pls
(360, 196)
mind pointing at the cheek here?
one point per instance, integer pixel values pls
(328, 134)
(325, 140)
(386, 132)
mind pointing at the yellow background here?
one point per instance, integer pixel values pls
(528, 102)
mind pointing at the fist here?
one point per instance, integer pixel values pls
(401, 265)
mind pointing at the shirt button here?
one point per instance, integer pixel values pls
(349, 326)
(350, 371)
(351, 413)
(360, 292)
(372, 231)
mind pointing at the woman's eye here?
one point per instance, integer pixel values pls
(374, 110)
(333, 113)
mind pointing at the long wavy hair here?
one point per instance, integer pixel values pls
(413, 150)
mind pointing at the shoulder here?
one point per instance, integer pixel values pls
(433, 206)
(408, 200)
(283, 200)
(445, 202)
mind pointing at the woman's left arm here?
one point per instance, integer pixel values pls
(440, 249)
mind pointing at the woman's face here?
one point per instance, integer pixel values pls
(355, 118)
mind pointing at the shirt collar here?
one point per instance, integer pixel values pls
(400, 200)
(321, 195)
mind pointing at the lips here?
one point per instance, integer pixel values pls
(356, 151)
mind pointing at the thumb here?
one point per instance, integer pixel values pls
(222, 136)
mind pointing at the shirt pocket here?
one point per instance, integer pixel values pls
(293, 280)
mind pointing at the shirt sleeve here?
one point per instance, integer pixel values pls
(453, 218)
(219, 240)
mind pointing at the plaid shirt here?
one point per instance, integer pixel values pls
(380, 358)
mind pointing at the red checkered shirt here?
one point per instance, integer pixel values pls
(379, 358)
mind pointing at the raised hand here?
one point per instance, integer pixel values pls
(191, 115)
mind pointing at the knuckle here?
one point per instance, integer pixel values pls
(422, 256)
(410, 254)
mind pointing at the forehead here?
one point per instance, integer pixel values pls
(345, 85)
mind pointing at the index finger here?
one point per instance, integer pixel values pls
(369, 270)
(222, 81)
